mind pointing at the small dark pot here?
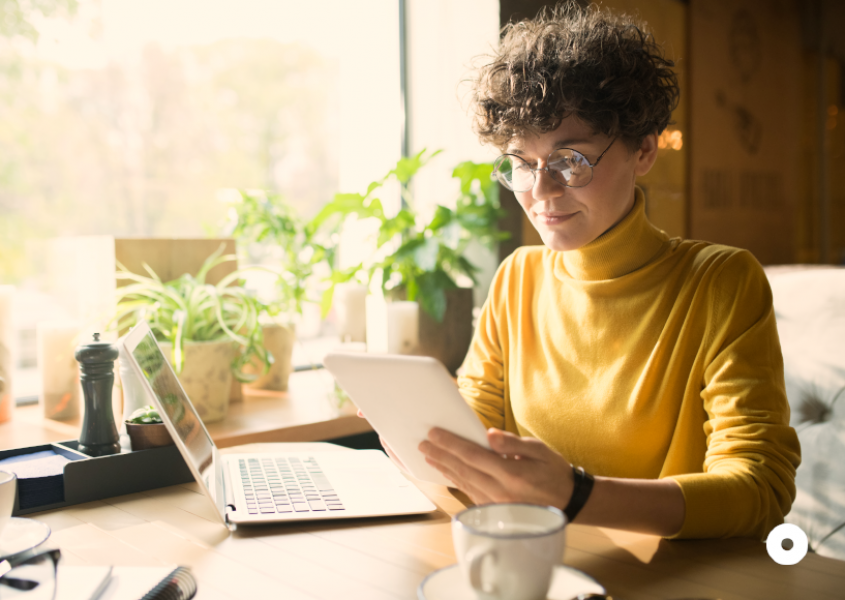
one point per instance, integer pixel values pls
(151, 435)
(449, 341)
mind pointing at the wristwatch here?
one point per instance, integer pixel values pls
(583, 485)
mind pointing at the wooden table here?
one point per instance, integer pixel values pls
(381, 559)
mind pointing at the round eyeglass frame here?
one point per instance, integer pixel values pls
(500, 177)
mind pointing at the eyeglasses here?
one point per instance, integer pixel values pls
(568, 167)
(29, 576)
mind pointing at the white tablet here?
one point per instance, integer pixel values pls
(403, 398)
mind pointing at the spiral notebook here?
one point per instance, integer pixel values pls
(125, 583)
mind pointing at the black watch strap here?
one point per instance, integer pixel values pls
(583, 485)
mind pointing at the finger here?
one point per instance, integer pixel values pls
(490, 462)
(506, 443)
(463, 473)
(476, 495)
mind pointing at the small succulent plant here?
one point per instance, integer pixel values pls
(146, 415)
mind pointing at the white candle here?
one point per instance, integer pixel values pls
(376, 324)
(403, 327)
(82, 270)
(57, 342)
(350, 308)
(392, 327)
(7, 365)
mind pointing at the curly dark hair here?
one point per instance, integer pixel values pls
(603, 68)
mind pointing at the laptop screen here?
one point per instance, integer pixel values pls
(177, 408)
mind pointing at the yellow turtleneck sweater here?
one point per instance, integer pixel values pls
(643, 356)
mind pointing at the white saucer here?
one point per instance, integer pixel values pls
(449, 584)
(20, 535)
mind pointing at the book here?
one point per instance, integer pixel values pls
(125, 583)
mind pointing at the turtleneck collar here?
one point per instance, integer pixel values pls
(622, 249)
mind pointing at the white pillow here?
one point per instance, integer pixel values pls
(810, 312)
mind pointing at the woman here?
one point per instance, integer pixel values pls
(632, 379)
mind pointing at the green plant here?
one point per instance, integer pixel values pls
(429, 256)
(268, 221)
(146, 415)
(189, 309)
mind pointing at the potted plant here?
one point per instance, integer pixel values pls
(208, 332)
(424, 260)
(146, 429)
(270, 232)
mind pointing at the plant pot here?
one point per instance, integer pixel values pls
(278, 340)
(449, 341)
(143, 436)
(206, 376)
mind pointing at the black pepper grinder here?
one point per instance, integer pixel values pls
(96, 364)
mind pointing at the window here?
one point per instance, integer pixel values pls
(133, 118)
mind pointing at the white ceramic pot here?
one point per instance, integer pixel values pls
(206, 376)
(279, 340)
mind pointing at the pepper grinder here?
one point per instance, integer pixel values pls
(96, 364)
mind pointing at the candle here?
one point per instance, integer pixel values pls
(376, 324)
(56, 343)
(403, 326)
(350, 307)
(82, 271)
(392, 327)
(7, 366)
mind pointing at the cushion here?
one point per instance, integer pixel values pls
(810, 312)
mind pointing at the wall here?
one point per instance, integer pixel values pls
(762, 157)
(745, 57)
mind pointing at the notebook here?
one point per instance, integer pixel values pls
(85, 582)
(255, 488)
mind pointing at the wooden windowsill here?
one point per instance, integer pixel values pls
(305, 413)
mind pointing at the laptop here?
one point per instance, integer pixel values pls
(256, 488)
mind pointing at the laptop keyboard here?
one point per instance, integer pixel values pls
(286, 485)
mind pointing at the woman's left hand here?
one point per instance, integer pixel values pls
(515, 470)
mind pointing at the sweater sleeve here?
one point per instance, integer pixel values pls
(482, 379)
(748, 479)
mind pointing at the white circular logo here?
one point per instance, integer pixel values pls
(774, 544)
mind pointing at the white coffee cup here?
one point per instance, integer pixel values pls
(8, 483)
(509, 551)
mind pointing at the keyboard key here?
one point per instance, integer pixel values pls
(267, 510)
(284, 508)
(336, 507)
(301, 507)
(253, 511)
(317, 505)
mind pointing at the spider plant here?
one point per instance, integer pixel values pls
(189, 309)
